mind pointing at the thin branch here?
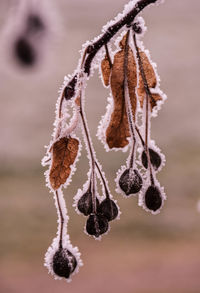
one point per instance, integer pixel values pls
(112, 30)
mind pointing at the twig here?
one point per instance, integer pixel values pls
(112, 30)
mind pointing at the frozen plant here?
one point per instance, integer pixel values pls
(135, 97)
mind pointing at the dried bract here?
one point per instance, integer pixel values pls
(64, 154)
(117, 132)
(106, 70)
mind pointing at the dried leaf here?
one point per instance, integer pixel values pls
(118, 128)
(155, 98)
(151, 80)
(64, 154)
(106, 70)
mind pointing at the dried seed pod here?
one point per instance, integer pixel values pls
(108, 208)
(64, 263)
(153, 198)
(96, 225)
(130, 181)
(154, 158)
(117, 132)
(85, 205)
(69, 90)
(24, 52)
(34, 24)
(64, 155)
(106, 70)
(137, 27)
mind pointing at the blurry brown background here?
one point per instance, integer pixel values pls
(142, 253)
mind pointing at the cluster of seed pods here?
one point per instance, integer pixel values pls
(134, 86)
(28, 35)
(135, 97)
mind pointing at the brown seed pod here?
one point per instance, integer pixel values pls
(118, 129)
(64, 154)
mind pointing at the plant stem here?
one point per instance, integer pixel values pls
(61, 220)
(127, 100)
(91, 153)
(148, 95)
(103, 180)
(139, 134)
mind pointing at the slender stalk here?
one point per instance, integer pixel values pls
(61, 220)
(139, 134)
(103, 180)
(92, 158)
(148, 95)
(127, 100)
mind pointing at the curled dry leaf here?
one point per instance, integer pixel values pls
(118, 129)
(64, 154)
(151, 80)
(106, 70)
(155, 98)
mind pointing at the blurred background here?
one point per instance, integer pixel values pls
(142, 253)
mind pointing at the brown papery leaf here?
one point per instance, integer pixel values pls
(155, 98)
(64, 154)
(150, 76)
(106, 70)
(118, 128)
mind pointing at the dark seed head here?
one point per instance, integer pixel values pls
(85, 205)
(130, 181)
(34, 24)
(64, 263)
(108, 208)
(137, 28)
(154, 158)
(70, 88)
(153, 199)
(24, 52)
(89, 49)
(96, 225)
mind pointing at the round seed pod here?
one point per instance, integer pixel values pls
(137, 27)
(108, 208)
(96, 225)
(130, 181)
(34, 24)
(64, 263)
(153, 199)
(154, 158)
(69, 90)
(85, 205)
(24, 52)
